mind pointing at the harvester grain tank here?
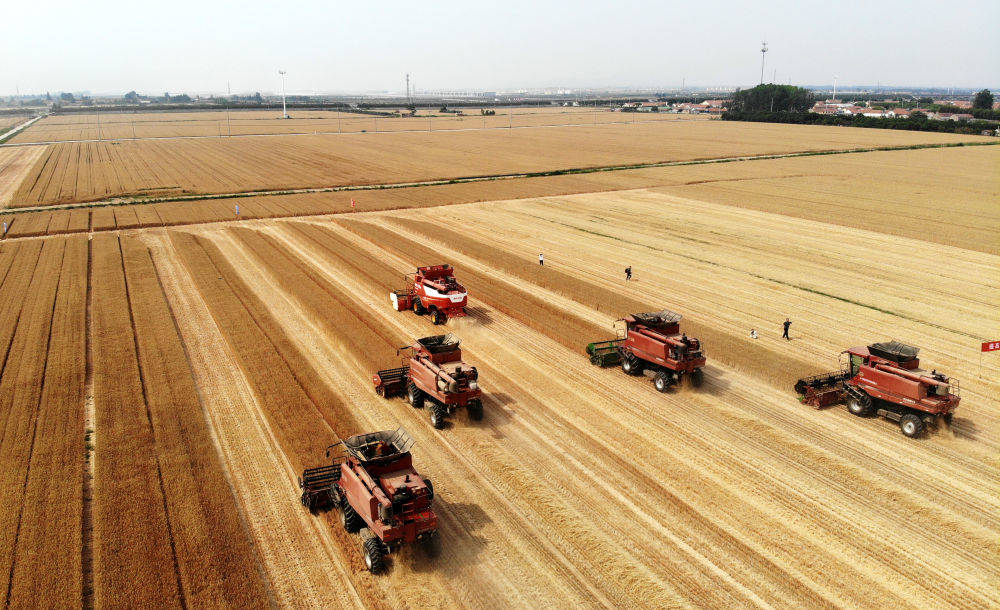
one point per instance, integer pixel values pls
(653, 345)
(435, 376)
(432, 290)
(885, 379)
(372, 480)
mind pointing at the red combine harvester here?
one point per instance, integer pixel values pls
(434, 374)
(653, 345)
(372, 480)
(435, 291)
(885, 379)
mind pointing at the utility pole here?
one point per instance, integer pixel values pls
(409, 102)
(763, 50)
(284, 108)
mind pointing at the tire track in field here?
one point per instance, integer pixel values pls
(532, 537)
(602, 451)
(965, 548)
(300, 563)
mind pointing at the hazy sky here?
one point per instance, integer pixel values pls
(187, 46)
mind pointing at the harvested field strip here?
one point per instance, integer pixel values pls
(528, 540)
(893, 477)
(501, 462)
(20, 393)
(300, 432)
(48, 570)
(529, 405)
(134, 557)
(214, 555)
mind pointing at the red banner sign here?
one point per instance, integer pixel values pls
(991, 346)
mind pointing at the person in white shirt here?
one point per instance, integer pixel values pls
(541, 259)
(753, 333)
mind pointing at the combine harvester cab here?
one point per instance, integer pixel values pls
(373, 482)
(435, 291)
(885, 379)
(654, 346)
(434, 376)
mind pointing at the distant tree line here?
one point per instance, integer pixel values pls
(772, 98)
(918, 122)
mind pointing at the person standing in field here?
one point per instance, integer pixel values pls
(784, 334)
(628, 273)
(753, 333)
(541, 259)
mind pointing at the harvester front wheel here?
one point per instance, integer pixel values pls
(418, 307)
(374, 555)
(631, 365)
(475, 409)
(349, 517)
(438, 413)
(697, 377)
(860, 405)
(911, 425)
(415, 396)
(661, 382)
(438, 317)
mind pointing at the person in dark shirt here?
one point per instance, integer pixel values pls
(784, 333)
(628, 273)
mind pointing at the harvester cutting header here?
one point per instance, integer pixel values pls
(433, 290)
(655, 346)
(885, 379)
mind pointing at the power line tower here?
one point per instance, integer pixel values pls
(409, 102)
(763, 50)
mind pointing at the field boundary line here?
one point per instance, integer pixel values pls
(118, 201)
(90, 438)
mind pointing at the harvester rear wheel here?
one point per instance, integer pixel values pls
(860, 404)
(911, 425)
(415, 396)
(349, 517)
(430, 488)
(947, 417)
(418, 307)
(438, 413)
(697, 377)
(438, 317)
(475, 409)
(662, 382)
(374, 555)
(631, 365)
